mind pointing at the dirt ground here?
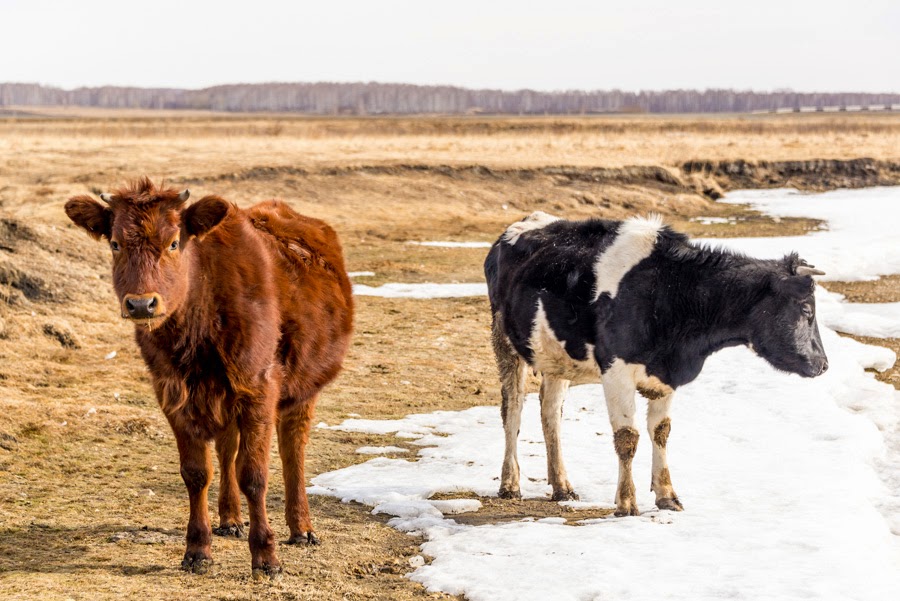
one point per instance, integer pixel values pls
(91, 502)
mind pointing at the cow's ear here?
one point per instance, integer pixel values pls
(204, 215)
(93, 217)
(799, 287)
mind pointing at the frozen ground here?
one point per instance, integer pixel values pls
(791, 486)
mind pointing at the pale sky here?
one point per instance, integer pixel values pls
(805, 45)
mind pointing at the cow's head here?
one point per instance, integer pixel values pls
(150, 233)
(783, 322)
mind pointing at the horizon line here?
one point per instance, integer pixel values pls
(452, 86)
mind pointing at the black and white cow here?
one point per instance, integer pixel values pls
(639, 307)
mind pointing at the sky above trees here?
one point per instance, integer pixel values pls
(654, 44)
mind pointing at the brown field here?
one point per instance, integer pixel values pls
(91, 502)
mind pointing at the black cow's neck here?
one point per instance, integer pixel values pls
(728, 299)
(710, 303)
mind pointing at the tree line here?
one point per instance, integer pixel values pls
(383, 99)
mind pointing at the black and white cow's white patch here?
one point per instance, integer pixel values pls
(535, 221)
(634, 242)
(640, 308)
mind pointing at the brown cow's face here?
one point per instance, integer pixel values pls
(150, 234)
(150, 273)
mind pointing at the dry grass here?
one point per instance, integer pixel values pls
(221, 144)
(82, 442)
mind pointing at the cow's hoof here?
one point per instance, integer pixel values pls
(564, 495)
(267, 572)
(509, 494)
(233, 530)
(304, 538)
(672, 504)
(196, 562)
(627, 510)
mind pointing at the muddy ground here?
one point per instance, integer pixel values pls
(91, 502)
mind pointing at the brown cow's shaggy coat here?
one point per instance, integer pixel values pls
(242, 316)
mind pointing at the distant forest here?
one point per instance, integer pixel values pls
(384, 99)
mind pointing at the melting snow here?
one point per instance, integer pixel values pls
(859, 244)
(791, 486)
(380, 450)
(712, 220)
(879, 320)
(454, 244)
(421, 290)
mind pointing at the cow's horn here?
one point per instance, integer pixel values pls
(184, 195)
(809, 270)
(106, 197)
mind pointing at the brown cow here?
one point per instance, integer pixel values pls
(242, 316)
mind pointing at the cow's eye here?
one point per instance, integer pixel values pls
(807, 310)
(114, 246)
(174, 246)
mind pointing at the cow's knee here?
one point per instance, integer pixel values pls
(625, 441)
(253, 482)
(196, 477)
(660, 432)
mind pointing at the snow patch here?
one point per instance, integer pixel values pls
(859, 244)
(380, 450)
(440, 244)
(879, 320)
(714, 220)
(774, 475)
(427, 290)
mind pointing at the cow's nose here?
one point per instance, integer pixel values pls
(824, 367)
(142, 306)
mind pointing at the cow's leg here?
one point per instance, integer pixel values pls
(512, 370)
(293, 433)
(253, 474)
(196, 471)
(619, 389)
(230, 523)
(658, 425)
(553, 393)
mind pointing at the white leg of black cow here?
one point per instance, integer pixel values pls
(658, 426)
(619, 389)
(513, 373)
(553, 394)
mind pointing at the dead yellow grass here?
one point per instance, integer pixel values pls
(91, 503)
(162, 146)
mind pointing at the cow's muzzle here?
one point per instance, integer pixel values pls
(816, 367)
(142, 306)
